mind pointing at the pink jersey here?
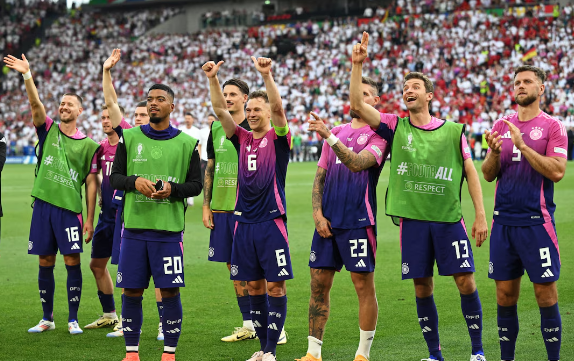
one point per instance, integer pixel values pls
(389, 122)
(349, 199)
(524, 197)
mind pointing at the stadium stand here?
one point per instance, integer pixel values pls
(468, 53)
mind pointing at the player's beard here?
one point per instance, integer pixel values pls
(354, 115)
(155, 120)
(527, 100)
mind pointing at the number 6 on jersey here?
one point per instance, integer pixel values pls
(252, 162)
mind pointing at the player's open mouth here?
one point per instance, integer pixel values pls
(411, 99)
(153, 110)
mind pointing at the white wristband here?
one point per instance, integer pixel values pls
(27, 75)
(332, 140)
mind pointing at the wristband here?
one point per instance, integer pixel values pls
(332, 140)
(27, 75)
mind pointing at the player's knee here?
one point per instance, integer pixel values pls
(48, 261)
(255, 288)
(364, 284)
(97, 268)
(169, 292)
(423, 287)
(465, 283)
(276, 289)
(72, 259)
(546, 294)
(133, 292)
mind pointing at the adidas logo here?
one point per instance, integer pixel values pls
(361, 264)
(178, 280)
(127, 329)
(553, 339)
(43, 300)
(273, 326)
(504, 338)
(283, 273)
(474, 327)
(256, 324)
(465, 264)
(75, 299)
(547, 273)
(175, 330)
(75, 246)
(426, 329)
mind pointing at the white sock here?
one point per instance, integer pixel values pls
(249, 325)
(110, 315)
(365, 343)
(314, 347)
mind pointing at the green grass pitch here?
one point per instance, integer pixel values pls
(210, 309)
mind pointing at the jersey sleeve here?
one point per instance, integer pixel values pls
(124, 124)
(94, 167)
(324, 160)
(42, 130)
(558, 141)
(376, 147)
(283, 134)
(241, 134)
(210, 149)
(386, 129)
(464, 148)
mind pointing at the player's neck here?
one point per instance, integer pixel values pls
(68, 128)
(113, 138)
(260, 133)
(529, 112)
(420, 119)
(163, 125)
(357, 123)
(238, 117)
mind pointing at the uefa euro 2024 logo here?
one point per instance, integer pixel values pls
(409, 139)
(140, 149)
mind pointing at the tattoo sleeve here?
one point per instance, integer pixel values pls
(355, 162)
(208, 182)
(318, 187)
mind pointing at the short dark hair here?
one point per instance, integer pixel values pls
(429, 87)
(80, 99)
(540, 74)
(372, 83)
(238, 83)
(122, 110)
(212, 115)
(259, 94)
(165, 88)
(191, 115)
(142, 104)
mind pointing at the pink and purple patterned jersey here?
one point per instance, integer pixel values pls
(524, 197)
(105, 156)
(349, 199)
(261, 175)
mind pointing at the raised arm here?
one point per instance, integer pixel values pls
(22, 66)
(218, 102)
(366, 112)
(479, 227)
(356, 162)
(110, 95)
(263, 66)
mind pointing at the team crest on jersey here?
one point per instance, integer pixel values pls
(405, 268)
(156, 152)
(312, 257)
(263, 143)
(362, 139)
(234, 270)
(30, 245)
(536, 133)
(119, 277)
(211, 251)
(490, 267)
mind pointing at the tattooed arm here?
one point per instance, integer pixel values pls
(355, 162)
(207, 193)
(321, 223)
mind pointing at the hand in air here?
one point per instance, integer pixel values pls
(21, 66)
(360, 49)
(113, 59)
(263, 65)
(211, 69)
(318, 125)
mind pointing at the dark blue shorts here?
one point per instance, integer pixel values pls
(261, 251)
(221, 237)
(54, 229)
(514, 249)
(354, 248)
(424, 242)
(103, 239)
(139, 260)
(118, 230)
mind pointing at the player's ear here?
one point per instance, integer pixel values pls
(245, 98)
(377, 100)
(172, 107)
(80, 111)
(542, 88)
(430, 95)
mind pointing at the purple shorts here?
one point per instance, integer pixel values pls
(261, 251)
(424, 242)
(103, 239)
(139, 260)
(54, 229)
(118, 230)
(354, 248)
(514, 249)
(221, 237)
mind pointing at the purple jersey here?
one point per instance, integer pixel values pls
(524, 197)
(261, 175)
(105, 156)
(349, 199)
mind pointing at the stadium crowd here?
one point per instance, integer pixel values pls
(470, 55)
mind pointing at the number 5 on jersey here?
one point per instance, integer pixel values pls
(252, 162)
